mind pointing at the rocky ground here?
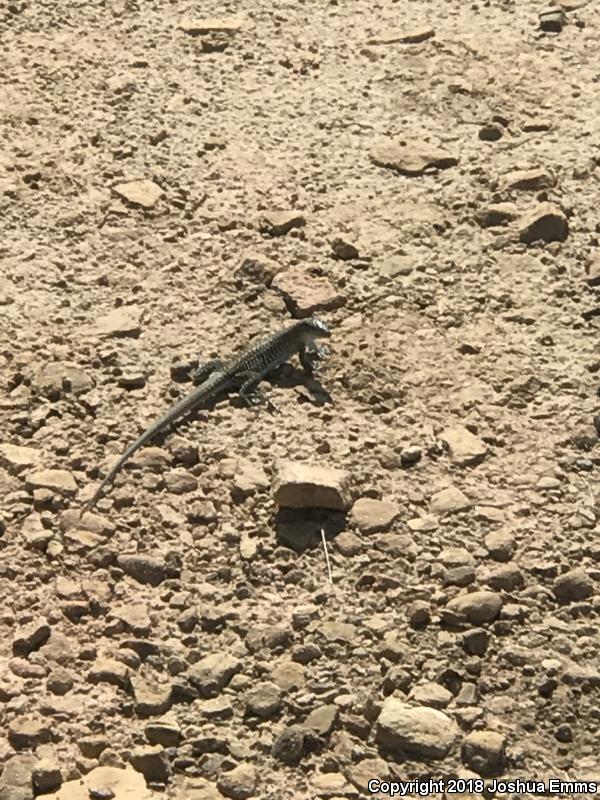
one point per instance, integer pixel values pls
(177, 179)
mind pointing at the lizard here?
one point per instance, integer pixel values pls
(244, 371)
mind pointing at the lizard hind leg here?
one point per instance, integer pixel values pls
(204, 370)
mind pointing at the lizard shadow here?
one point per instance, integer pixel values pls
(286, 377)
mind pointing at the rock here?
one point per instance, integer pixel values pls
(448, 501)
(200, 27)
(34, 533)
(343, 250)
(258, 268)
(507, 577)
(360, 774)
(59, 681)
(500, 545)
(418, 614)
(483, 752)
(465, 448)
(25, 733)
(16, 782)
(56, 480)
(411, 160)
(165, 732)
(306, 294)
(145, 569)
(15, 457)
(331, 784)
(151, 697)
(46, 776)
(152, 762)
(476, 641)
(249, 479)
(573, 586)
(322, 720)
(288, 675)
(395, 265)
(371, 516)
(263, 700)
(109, 670)
(239, 783)
(419, 731)
(139, 193)
(302, 485)
(56, 378)
(497, 214)
(278, 223)
(213, 672)
(534, 179)
(592, 277)
(119, 322)
(123, 784)
(134, 616)
(348, 544)
(552, 19)
(476, 607)
(31, 637)
(430, 694)
(336, 631)
(546, 223)
(415, 36)
(491, 132)
(289, 745)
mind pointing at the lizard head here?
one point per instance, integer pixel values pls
(315, 328)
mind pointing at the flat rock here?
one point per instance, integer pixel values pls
(331, 785)
(123, 321)
(410, 36)
(449, 500)
(288, 675)
(476, 607)
(16, 782)
(109, 670)
(204, 25)
(34, 533)
(26, 733)
(125, 784)
(411, 160)
(370, 515)
(298, 484)
(336, 631)
(56, 480)
(14, 457)
(534, 179)
(419, 731)
(139, 193)
(278, 223)
(305, 293)
(431, 694)
(395, 265)
(213, 672)
(465, 448)
(322, 720)
(546, 222)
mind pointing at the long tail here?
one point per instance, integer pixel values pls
(202, 393)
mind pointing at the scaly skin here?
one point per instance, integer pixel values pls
(244, 371)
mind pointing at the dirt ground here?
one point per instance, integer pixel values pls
(177, 179)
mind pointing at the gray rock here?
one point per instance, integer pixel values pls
(483, 752)
(418, 731)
